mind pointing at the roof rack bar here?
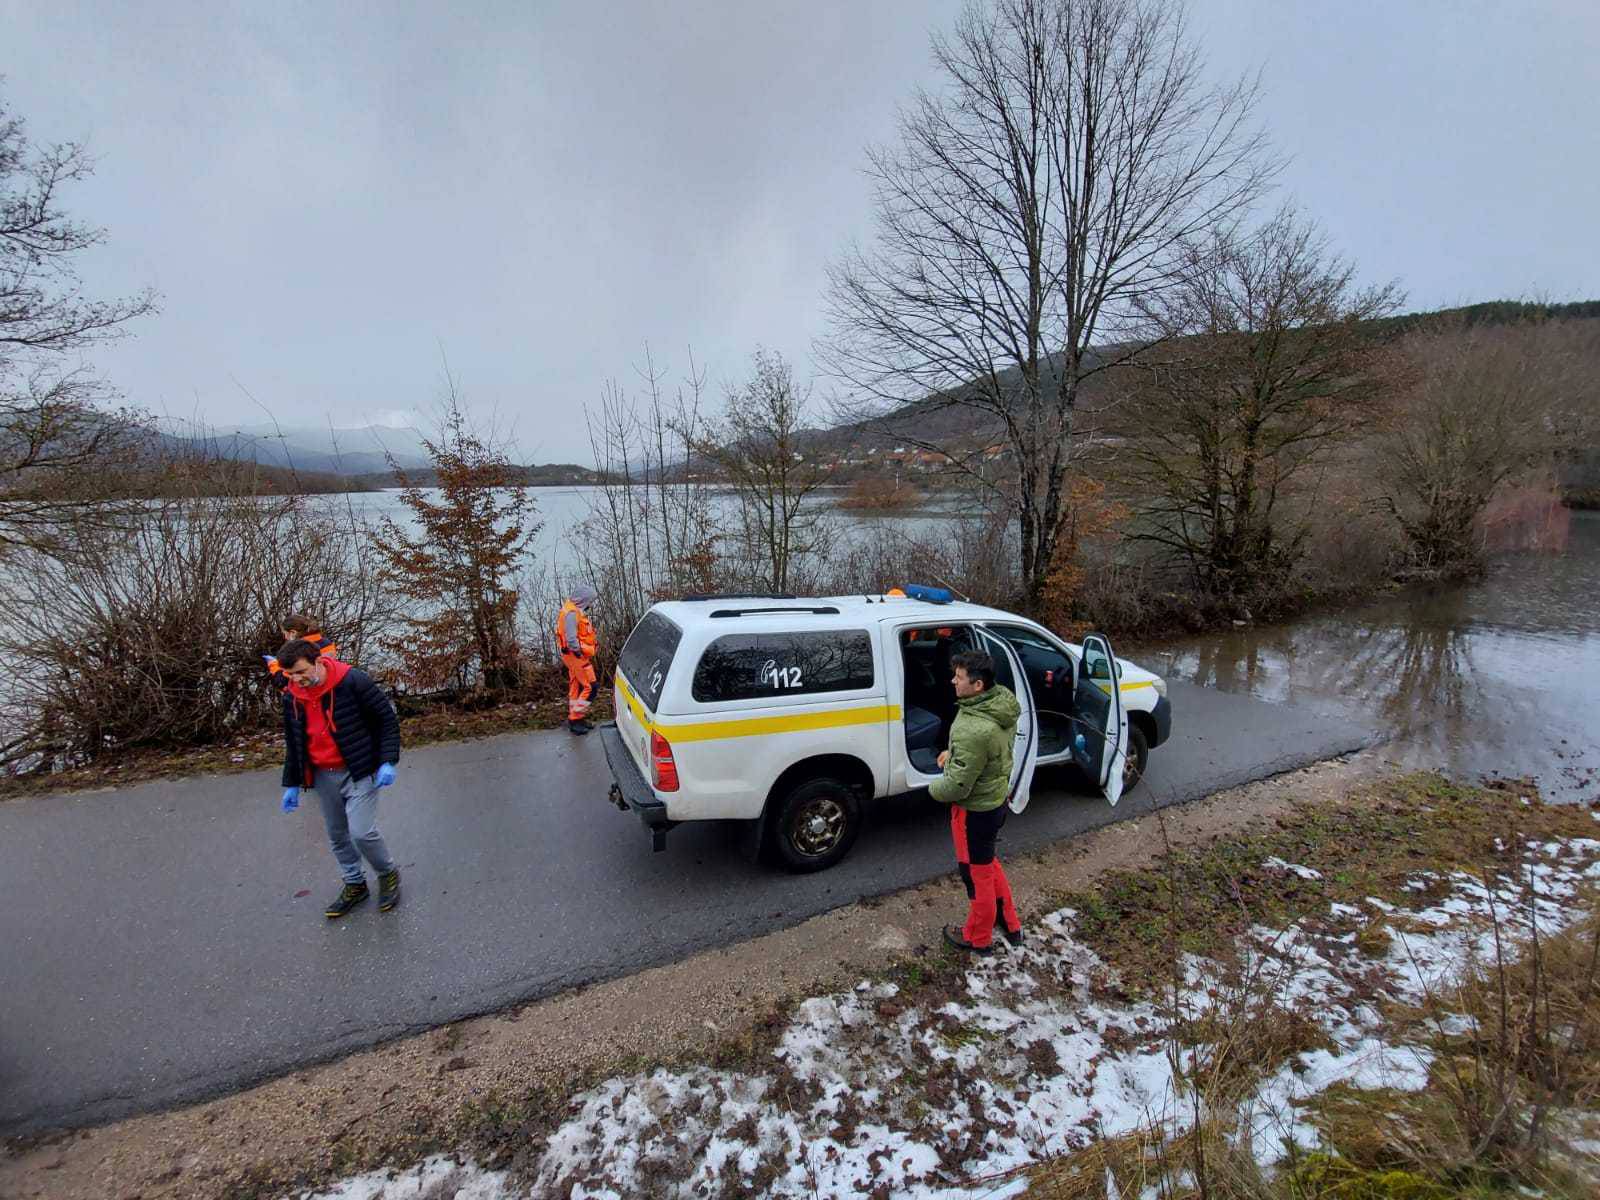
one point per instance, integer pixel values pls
(821, 610)
(741, 596)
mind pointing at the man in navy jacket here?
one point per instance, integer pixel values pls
(341, 738)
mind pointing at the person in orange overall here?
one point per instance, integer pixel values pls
(575, 636)
(300, 626)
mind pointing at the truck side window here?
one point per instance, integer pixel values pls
(749, 666)
(647, 656)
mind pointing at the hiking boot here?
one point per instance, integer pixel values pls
(349, 896)
(957, 939)
(1014, 936)
(388, 890)
(579, 727)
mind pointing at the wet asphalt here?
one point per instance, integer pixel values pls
(165, 943)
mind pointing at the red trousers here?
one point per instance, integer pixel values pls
(580, 685)
(988, 890)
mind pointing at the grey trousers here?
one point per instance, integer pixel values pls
(350, 811)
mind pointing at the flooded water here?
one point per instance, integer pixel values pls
(1499, 677)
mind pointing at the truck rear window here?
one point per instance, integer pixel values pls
(647, 657)
(744, 666)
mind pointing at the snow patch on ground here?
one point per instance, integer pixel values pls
(1277, 864)
(867, 1093)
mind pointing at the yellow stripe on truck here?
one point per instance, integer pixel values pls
(707, 731)
(1126, 687)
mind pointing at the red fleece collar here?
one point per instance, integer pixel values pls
(332, 672)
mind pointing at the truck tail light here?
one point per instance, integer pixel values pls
(665, 769)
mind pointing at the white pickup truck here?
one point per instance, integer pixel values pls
(796, 713)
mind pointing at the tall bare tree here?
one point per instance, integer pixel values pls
(1027, 208)
(1269, 370)
(758, 447)
(56, 433)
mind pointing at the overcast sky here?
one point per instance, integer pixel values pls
(325, 194)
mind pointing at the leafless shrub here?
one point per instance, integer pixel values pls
(1527, 514)
(650, 531)
(877, 493)
(1489, 404)
(153, 636)
(973, 555)
(756, 445)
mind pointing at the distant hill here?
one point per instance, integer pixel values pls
(1490, 312)
(318, 451)
(543, 475)
(341, 459)
(226, 477)
(941, 418)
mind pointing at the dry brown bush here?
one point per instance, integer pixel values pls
(1489, 404)
(153, 637)
(878, 493)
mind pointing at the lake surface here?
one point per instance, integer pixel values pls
(1498, 677)
(561, 509)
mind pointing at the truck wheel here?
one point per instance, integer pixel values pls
(1136, 760)
(815, 825)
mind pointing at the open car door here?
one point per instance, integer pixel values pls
(1101, 740)
(1025, 750)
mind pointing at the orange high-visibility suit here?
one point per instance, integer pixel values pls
(575, 636)
(324, 647)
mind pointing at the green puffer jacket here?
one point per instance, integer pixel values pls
(977, 775)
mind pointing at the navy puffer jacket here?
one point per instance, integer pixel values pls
(364, 726)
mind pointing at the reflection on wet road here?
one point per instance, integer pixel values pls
(1498, 677)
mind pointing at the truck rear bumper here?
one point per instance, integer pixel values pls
(629, 789)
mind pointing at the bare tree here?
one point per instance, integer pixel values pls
(1488, 404)
(1025, 212)
(758, 448)
(1268, 371)
(57, 435)
(650, 532)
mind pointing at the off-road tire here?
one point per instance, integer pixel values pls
(814, 825)
(1138, 759)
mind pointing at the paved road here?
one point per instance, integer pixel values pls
(156, 945)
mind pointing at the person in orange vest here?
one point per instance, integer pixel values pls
(299, 626)
(575, 636)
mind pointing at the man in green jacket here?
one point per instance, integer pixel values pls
(976, 784)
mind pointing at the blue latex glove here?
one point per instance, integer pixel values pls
(291, 799)
(385, 775)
